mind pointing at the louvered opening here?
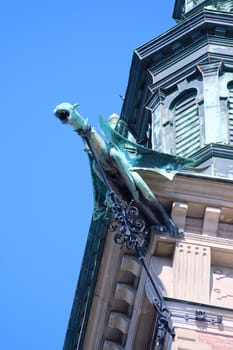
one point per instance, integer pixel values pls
(230, 112)
(187, 125)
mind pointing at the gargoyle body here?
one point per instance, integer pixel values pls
(119, 159)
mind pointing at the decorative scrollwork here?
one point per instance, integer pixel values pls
(128, 226)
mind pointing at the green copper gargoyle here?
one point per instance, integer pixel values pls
(120, 159)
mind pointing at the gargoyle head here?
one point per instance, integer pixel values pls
(63, 111)
(68, 114)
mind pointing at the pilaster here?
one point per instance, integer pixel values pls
(191, 269)
(215, 127)
(159, 120)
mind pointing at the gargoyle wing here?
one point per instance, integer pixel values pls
(142, 157)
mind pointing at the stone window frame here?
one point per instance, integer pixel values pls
(168, 123)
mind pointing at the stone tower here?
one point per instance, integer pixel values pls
(179, 101)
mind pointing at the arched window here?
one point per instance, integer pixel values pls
(186, 123)
(230, 111)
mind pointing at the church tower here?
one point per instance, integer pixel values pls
(168, 290)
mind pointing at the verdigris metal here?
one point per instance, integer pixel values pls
(185, 8)
(119, 158)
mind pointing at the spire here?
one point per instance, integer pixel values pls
(185, 8)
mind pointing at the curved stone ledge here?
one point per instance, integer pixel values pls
(119, 321)
(131, 264)
(126, 293)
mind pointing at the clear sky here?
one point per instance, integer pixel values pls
(51, 52)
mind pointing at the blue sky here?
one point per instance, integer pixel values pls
(51, 52)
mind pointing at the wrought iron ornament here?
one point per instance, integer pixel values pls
(127, 225)
(200, 316)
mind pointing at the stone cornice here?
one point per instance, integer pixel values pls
(213, 150)
(169, 81)
(204, 49)
(198, 189)
(185, 28)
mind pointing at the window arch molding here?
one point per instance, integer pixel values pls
(181, 95)
(162, 114)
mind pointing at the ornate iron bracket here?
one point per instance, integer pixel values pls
(200, 316)
(164, 327)
(127, 225)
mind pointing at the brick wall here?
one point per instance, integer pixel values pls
(218, 342)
